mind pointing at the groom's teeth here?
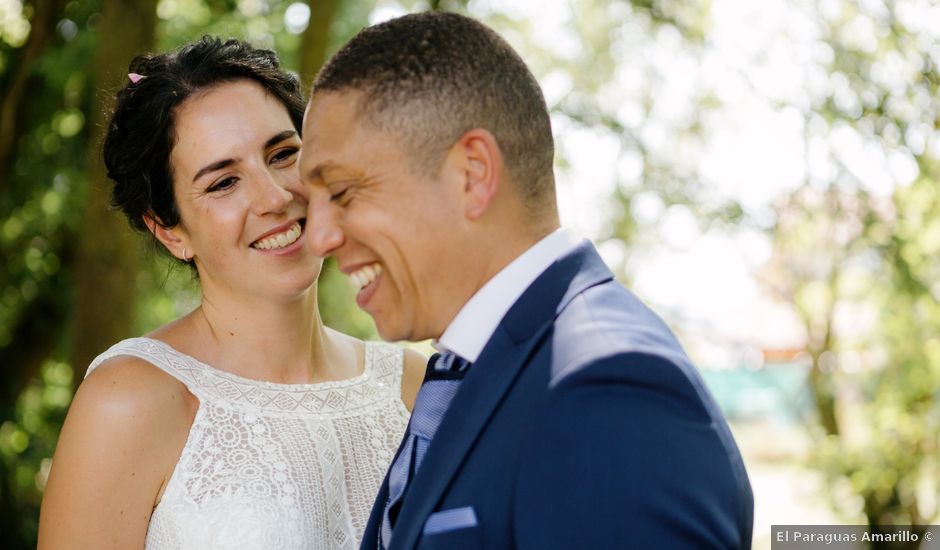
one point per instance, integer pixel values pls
(280, 240)
(365, 275)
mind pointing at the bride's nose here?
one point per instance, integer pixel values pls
(270, 194)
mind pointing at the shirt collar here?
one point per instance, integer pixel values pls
(477, 320)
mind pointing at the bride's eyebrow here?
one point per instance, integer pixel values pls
(217, 165)
(279, 137)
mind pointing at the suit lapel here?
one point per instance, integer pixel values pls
(489, 379)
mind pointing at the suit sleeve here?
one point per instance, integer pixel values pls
(628, 455)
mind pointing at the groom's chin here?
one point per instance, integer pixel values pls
(392, 333)
(395, 330)
(388, 329)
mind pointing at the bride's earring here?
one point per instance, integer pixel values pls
(185, 258)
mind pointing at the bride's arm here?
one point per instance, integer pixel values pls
(121, 440)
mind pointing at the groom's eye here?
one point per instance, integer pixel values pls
(340, 190)
(338, 195)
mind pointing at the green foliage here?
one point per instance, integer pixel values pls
(841, 248)
(27, 441)
(39, 206)
(42, 194)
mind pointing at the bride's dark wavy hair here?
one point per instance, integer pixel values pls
(141, 132)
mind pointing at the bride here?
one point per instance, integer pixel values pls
(246, 423)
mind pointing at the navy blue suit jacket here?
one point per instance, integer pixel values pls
(581, 425)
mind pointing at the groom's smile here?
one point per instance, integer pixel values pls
(365, 279)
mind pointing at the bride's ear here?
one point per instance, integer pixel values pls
(171, 237)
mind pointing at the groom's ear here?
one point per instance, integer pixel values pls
(481, 161)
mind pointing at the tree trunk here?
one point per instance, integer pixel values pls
(108, 255)
(824, 399)
(316, 39)
(878, 515)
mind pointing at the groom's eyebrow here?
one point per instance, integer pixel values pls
(316, 173)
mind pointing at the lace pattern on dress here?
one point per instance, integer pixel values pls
(383, 365)
(276, 466)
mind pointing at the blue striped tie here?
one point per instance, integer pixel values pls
(440, 385)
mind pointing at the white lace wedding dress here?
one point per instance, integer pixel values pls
(276, 466)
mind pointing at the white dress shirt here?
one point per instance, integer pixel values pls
(477, 320)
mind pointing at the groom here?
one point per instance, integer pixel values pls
(562, 412)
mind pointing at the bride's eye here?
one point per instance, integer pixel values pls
(284, 154)
(222, 184)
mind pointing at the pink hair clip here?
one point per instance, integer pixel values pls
(134, 77)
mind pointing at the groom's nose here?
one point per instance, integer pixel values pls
(324, 235)
(322, 241)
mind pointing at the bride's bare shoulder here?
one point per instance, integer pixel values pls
(132, 408)
(120, 442)
(130, 385)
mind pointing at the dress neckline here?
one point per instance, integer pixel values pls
(315, 386)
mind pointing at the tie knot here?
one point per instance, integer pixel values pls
(450, 362)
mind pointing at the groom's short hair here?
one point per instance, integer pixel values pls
(429, 77)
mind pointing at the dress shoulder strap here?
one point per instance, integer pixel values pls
(385, 362)
(157, 353)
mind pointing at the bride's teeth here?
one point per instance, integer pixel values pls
(281, 240)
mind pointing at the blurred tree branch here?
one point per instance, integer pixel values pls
(447, 5)
(13, 90)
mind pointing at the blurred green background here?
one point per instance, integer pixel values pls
(763, 173)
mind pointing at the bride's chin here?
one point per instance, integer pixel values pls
(303, 286)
